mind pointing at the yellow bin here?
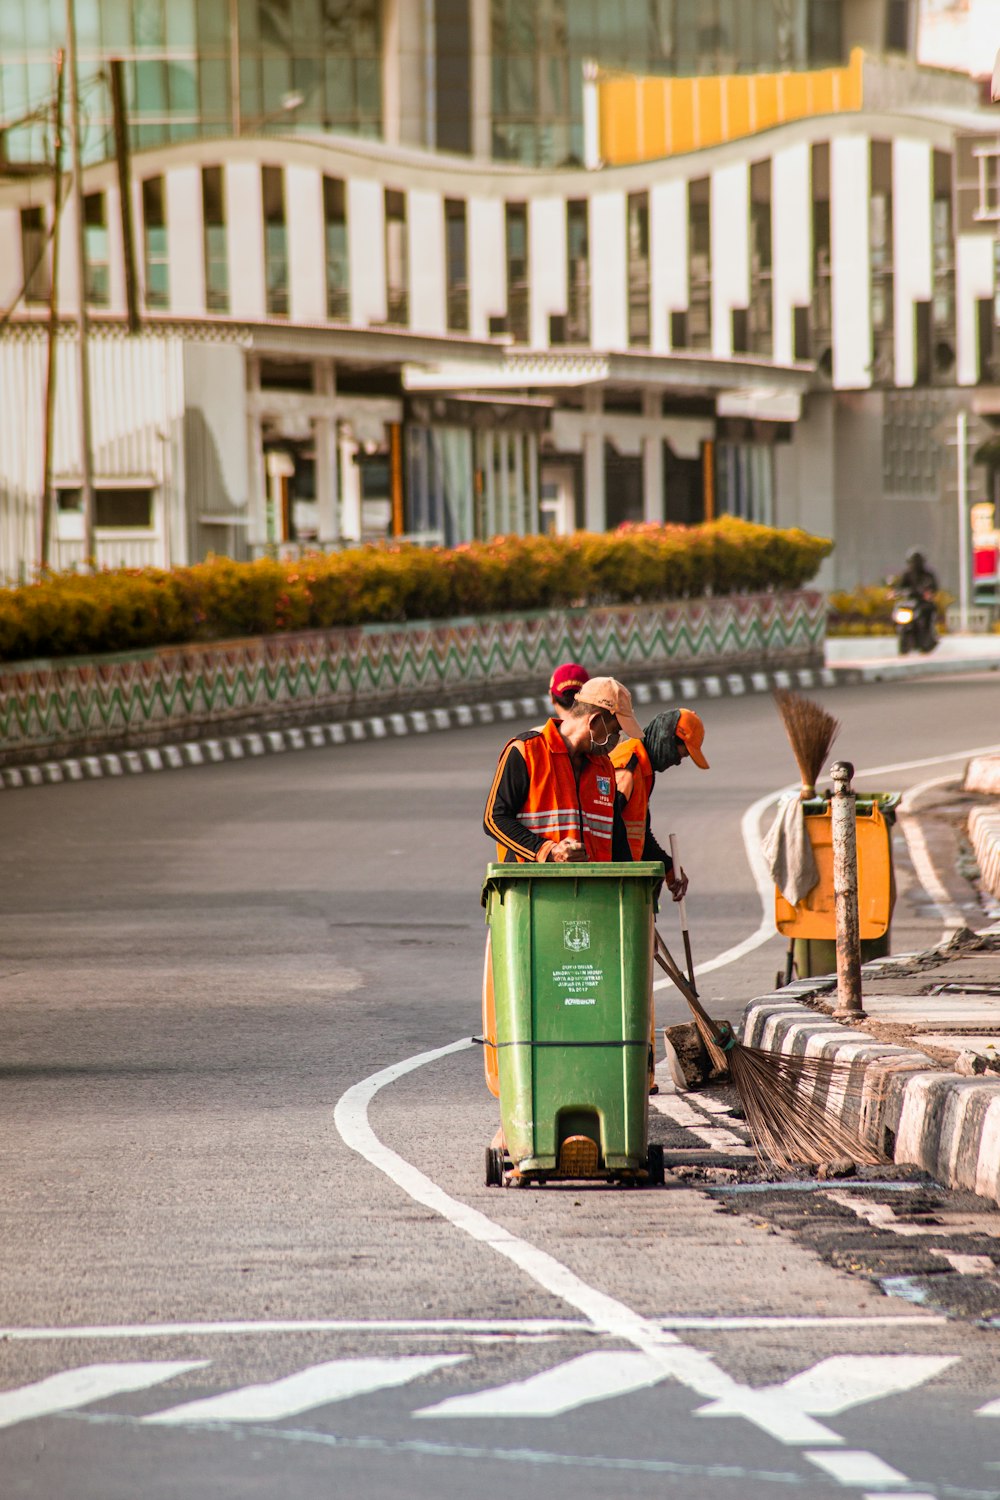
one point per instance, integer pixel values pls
(814, 918)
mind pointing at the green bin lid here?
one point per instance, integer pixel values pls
(648, 869)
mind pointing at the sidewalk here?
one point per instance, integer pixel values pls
(876, 658)
(929, 1094)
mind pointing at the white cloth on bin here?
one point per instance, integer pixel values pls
(789, 853)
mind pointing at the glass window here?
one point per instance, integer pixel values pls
(149, 21)
(96, 253)
(275, 241)
(116, 25)
(150, 88)
(214, 88)
(637, 231)
(34, 259)
(181, 30)
(517, 271)
(182, 88)
(338, 288)
(213, 202)
(396, 257)
(123, 509)
(154, 221)
(457, 265)
(578, 272)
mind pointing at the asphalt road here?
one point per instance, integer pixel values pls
(196, 967)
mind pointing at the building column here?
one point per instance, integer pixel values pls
(652, 460)
(531, 451)
(595, 514)
(480, 81)
(350, 485)
(257, 510)
(327, 458)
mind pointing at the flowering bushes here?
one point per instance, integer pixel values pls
(82, 614)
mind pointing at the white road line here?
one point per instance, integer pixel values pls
(715, 1136)
(855, 1467)
(319, 1385)
(926, 872)
(509, 1327)
(693, 1368)
(578, 1382)
(531, 1330)
(74, 1388)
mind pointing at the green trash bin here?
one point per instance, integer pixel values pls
(572, 955)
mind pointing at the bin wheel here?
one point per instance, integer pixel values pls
(494, 1167)
(655, 1166)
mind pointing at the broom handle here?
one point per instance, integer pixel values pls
(688, 955)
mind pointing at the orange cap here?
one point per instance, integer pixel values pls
(691, 731)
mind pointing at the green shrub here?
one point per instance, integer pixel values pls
(867, 610)
(69, 614)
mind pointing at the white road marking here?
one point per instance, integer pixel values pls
(515, 1329)
(966, 1265)
(927, 874)
(73, 1388)
(855, 1467)
(715, 1136)
(473, 1327)
(693, 1368)
(578, 1382)
(319, 1385)
(991, 1409)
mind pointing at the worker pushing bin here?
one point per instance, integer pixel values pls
(569, 974)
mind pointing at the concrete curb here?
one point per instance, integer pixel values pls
(984, 835)
(886, 671)
(173, 757)
(907, 1107)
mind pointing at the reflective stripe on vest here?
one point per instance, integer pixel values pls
(637, 806)
(555, 808)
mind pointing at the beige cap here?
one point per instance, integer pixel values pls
(614, 698)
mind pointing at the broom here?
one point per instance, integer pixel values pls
(782, 1096)
(811, 731)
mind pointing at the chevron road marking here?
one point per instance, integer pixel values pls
(319, 1385)
(833, 1386)
(716, 1136)
(578, 1382)
(73, 1388)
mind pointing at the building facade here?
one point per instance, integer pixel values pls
(392, 296)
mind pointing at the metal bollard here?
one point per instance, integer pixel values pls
(845, 892)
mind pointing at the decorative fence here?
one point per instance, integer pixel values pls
(83, 705)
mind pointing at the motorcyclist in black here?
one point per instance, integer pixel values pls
(918, 583)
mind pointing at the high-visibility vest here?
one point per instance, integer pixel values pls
(637, 802)
(557, 807)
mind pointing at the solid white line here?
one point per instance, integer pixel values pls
(319, 1385)
(578, 1382)
(74, 1388)
(515, 1327)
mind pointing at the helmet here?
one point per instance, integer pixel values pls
(915, 554)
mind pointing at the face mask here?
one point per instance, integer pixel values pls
(608, 743)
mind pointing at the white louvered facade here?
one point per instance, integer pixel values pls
(388, 299)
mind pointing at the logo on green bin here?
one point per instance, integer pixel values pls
(576, 936)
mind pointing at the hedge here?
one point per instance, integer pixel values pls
(116, 610)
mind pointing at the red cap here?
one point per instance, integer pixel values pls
(568, 678)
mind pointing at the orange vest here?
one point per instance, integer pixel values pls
(637, 803)
(556, 807)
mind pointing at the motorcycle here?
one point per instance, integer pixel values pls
(913, 616)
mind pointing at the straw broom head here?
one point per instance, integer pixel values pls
(811, 732)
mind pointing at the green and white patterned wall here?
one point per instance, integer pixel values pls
(148, 697)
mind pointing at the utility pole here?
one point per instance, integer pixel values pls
(124, 162)
(843, 817)
(86, 457)
(961, 436)
(50, 372)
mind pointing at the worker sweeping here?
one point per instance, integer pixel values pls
(671, 737)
